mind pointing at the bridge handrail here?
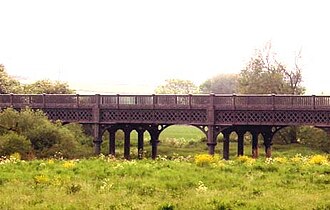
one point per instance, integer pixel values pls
(213, 101)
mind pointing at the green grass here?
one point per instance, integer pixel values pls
(103, 183)
(174, 181)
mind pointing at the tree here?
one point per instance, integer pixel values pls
(48, 87)
(221, 84)
(7, 83)
(177, 86)
(266, 74)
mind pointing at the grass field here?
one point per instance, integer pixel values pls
(179, 181)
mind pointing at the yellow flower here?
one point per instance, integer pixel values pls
(51, 161)
(204, 159)
(281, 160)
(246, 159)
(15, 156)
(68, 164)
(318, 160)
(41, 179)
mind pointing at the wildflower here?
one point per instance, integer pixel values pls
(281, 160)
(68, 164)
(318, 160)
(41, 179)
(269, 160)
(201, 187)
(246, 160)
(204, 159)
(50, 161)
(15, 156)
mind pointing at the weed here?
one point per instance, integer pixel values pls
(73, 188)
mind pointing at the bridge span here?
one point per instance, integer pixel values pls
(213, 114)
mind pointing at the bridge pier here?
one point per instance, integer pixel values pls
(112, 142)
(255, 149)
(97, 139)
(154, 135)
(127, 143)
(226, 135)
(240, 142)
(211, 139)
(268, 143)
(140, 143)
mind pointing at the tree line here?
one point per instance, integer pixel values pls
(9, 84)
(263, 74)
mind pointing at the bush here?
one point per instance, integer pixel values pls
(44, 137)
(14, 143)
(314, 137)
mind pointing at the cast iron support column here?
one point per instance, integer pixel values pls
(211, 139)
(240, 143)
(268, 143)
(127, 144)
(226, 135)
(112, 142)
(255, 151)
(140, 143)
(96, 127)
(97, 139)
(154, 143)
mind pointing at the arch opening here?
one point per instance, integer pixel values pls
(182, 140)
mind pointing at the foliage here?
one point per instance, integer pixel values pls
(266, 74)
(220, 84)
(11, 143)
(314, 137)
(7, 83)
(45, 137)
(47, 87)
(177, 86)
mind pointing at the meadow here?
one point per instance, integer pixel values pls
(182, 177)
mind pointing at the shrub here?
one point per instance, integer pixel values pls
(14, 143)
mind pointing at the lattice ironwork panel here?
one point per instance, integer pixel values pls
(69, 115)
(321, 118)
(317, 118)
(168, 116)
(126, 115)
(179, 116)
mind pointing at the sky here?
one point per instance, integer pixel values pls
(131, 46)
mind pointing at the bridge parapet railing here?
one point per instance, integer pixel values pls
(219, 102)
(154, 101)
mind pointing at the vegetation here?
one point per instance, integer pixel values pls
(8, 84)
(266, 74)
(177, 86)
(31, 134)
(220, 84)
(202, 182)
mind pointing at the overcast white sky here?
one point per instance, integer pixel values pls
(134, 45)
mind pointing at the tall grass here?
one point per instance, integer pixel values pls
(298, 182)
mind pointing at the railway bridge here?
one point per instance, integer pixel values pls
(212, 114)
